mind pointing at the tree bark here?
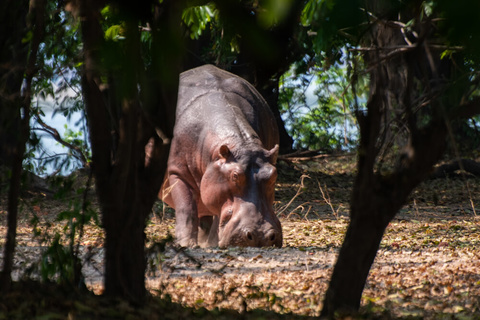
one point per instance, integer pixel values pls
(270, 92)
(356, 256)
(134, 108)
(377, 196)
(20, 106)
(13, 57)
(375, 201)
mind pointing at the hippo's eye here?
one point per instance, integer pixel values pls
(238, 178)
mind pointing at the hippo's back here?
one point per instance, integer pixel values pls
(208, 79)
(206, 97)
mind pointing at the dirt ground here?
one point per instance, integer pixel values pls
(428, 265)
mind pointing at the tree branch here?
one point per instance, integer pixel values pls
(99, 124)
(55, 135)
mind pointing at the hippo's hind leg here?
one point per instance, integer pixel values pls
(186, 216)
(208, 231)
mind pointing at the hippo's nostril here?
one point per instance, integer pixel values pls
(272, 237)
(249, 236)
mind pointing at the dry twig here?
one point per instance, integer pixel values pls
(326, 198)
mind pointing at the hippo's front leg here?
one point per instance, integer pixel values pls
(186, 226)
(208, 231)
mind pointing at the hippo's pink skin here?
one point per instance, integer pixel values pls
(221, 169)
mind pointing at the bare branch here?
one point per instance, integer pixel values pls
(55, 135)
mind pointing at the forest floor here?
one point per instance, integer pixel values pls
(427, 267)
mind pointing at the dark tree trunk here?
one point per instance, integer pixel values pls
(356, 256)
(13, 57)
(270, 93)
(267, 83)
(377, 196)
(265, 53)
(134, 109)
(18, 106)
(375, 202)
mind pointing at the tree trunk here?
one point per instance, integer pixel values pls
(375, 201)
(136, 107)
(377, 196)
(265, 53)
(19, 105)
(124, 246)
(13, 57)
(356, 256)
(266, 82)
(270, 93)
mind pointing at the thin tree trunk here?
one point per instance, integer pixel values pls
(12, 207)
(270, 93)
(13, 57)
(22, 116)
(12, 68)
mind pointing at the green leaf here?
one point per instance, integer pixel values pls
(113, 33)
(28, 37)
(197, 18)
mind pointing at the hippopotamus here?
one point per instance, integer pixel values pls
(221, 169)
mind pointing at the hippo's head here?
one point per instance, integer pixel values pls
(239, 185)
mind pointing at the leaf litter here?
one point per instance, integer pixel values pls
(428, 264)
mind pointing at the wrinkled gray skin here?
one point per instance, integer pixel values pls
(221, 169)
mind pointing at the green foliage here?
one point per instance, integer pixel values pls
(460, 24)
(333, 25)
(56, 88)
(330, 25)
(197, 18)
(61, 261)
(271, 12)
(318, 107)
(313, 11)
(114, 33)
(327, 28)
(207, 22)
(323, 127)
(58, 262)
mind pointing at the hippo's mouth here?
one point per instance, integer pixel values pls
(245, 237)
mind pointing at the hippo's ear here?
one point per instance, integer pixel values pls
(272, 154)
(224, 151)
